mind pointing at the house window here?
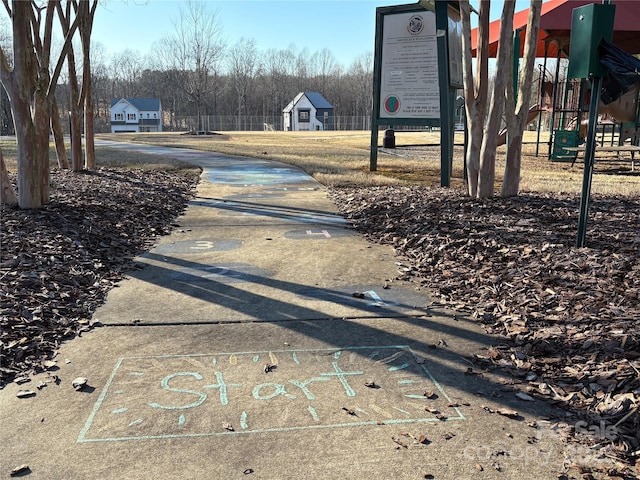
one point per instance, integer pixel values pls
(303, 115)
(119, 116)
(131, 116)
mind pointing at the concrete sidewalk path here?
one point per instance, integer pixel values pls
(266, 339)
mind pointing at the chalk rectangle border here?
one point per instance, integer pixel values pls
(82, 436)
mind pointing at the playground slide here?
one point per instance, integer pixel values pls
(531, 116)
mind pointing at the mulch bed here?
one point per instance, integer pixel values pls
(566, 320)
(58, 263)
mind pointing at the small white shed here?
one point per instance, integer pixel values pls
(308, 111)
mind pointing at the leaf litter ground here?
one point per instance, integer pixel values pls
(566, 320)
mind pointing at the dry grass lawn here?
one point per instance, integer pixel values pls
(342, 158)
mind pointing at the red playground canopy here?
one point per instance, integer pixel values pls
(555, 27)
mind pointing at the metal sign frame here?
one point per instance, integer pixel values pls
(398, 52)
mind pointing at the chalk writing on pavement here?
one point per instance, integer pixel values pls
(168, 396)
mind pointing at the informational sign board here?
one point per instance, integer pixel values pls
(417, 69)
(409, 85)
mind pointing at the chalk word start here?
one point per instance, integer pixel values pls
(168, 396)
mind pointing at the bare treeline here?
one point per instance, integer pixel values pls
(196, 74)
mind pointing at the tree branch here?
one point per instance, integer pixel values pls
(63, 53)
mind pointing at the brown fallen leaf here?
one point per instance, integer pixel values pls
(399, 442)
(349, 411)
(508, 413)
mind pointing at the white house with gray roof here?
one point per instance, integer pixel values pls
(136, 115)
(308, 111)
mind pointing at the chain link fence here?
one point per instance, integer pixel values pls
(250, 123)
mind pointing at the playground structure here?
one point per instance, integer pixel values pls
(562, 104)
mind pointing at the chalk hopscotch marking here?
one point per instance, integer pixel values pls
(191, 395)
(324, 233)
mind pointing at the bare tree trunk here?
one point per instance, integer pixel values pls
(7, 194)
(89, 133)
(42, 123)
(486, 179)
(475, 93)
(30, 86)
(87, 14)
(58, 136)
(20, 95)
(76, 136)
(516, 120)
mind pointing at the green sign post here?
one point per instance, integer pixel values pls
(589, 25)
(417, 69)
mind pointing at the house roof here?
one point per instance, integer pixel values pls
(316, 99)
(146, 104)
(555, 24)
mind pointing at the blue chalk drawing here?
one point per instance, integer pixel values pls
(186, 391)
(398, 367)
(343, 379)
(303, 385)
(313, 413)
(278, 389)
(224, 397)
(400, 410)
(243, 421)
(165, 385)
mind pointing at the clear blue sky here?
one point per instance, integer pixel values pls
(345, 27)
